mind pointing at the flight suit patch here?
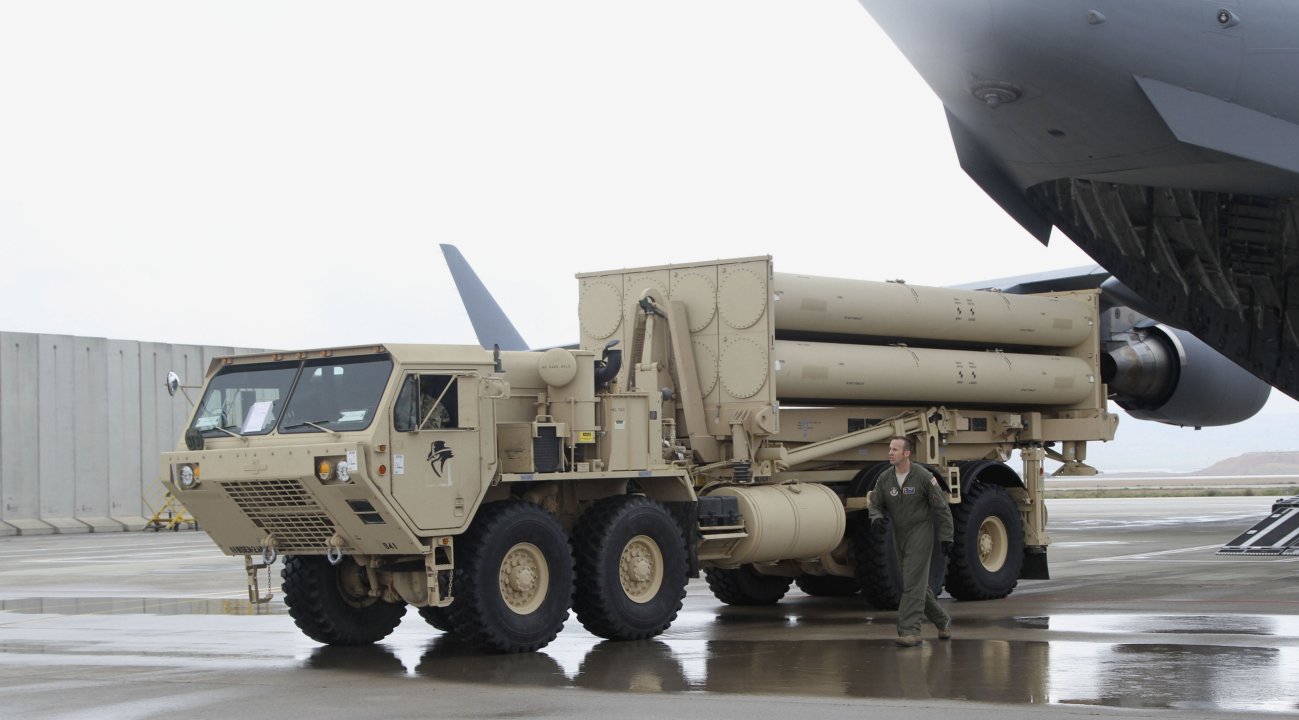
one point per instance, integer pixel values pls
(893, 492)
(908, 491)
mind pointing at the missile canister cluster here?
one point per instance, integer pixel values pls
(855, 341)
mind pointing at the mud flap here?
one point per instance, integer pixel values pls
(1034, 567)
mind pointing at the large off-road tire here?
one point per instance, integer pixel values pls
(513, 578)
(877, 564)
(331, 603)
(744, 586)
(438, 617)
(828, 585)
(632, 568)
(988, 546)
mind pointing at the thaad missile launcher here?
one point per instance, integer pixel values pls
(715, 417)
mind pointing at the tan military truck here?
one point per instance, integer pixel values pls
(716, 416)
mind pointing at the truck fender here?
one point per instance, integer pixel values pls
(991, 472)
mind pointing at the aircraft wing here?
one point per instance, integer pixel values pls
(1154, 135)
(1084, 277)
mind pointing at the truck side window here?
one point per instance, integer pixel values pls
(426, 402)
(405, 410)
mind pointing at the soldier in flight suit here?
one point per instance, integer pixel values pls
(910, 495)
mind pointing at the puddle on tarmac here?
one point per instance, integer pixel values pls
(1272, 625)
(1197, 675)
(1143, 676)
(139, 606)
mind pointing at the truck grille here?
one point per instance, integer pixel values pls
(283, 508)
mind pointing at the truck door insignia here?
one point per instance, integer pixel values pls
(438, 455)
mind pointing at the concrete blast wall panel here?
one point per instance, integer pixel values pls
(82, 423)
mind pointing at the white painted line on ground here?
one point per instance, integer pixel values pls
(1157, 553)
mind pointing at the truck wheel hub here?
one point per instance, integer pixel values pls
(640, 569)
(523, 579)
(993, 543)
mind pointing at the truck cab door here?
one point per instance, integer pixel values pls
(436, 454)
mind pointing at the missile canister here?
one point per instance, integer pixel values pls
(895, 310)
(877, 373)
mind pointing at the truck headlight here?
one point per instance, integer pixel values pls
(333, 469)
(187, 476)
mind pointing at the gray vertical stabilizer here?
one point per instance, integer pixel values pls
(491, 325)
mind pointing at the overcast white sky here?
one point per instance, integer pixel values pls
(279, 174)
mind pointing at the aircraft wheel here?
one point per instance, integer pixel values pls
(331, 603)
(988, 545)
(631, 568)
(745, 586)
(513, 578)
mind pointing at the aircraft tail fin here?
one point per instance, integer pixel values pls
(491, 324)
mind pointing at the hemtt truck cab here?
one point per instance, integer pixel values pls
(494, 491)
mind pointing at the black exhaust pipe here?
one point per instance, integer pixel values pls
(607, 367)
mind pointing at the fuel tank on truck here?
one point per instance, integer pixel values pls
(793, 521)
(835, 306)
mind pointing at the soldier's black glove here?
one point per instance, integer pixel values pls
(947, 547)
(877, 525)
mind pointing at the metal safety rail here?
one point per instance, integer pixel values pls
(170, 515)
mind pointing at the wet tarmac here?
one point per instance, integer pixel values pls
(1140, 618)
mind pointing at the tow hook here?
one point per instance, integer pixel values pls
(269, 552)
(269, 555)
(334, 552)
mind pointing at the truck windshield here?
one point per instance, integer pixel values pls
(336, 395)
(245, 399)
(313, 396)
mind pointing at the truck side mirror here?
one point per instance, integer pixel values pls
(173, 384)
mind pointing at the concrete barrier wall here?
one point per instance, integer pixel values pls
(82, 423)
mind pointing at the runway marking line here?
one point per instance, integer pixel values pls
(1162, 553)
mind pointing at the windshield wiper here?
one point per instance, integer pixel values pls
(315, 424)
(218, 428)
(227, 432)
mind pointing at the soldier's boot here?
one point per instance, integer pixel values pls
(909, 640)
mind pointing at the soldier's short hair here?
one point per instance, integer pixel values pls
(906, 442)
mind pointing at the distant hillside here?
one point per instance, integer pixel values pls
(1255, 463)
(1144, 446)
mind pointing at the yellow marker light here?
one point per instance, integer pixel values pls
(333, 469)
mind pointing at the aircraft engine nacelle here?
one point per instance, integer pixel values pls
(1170, 376)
